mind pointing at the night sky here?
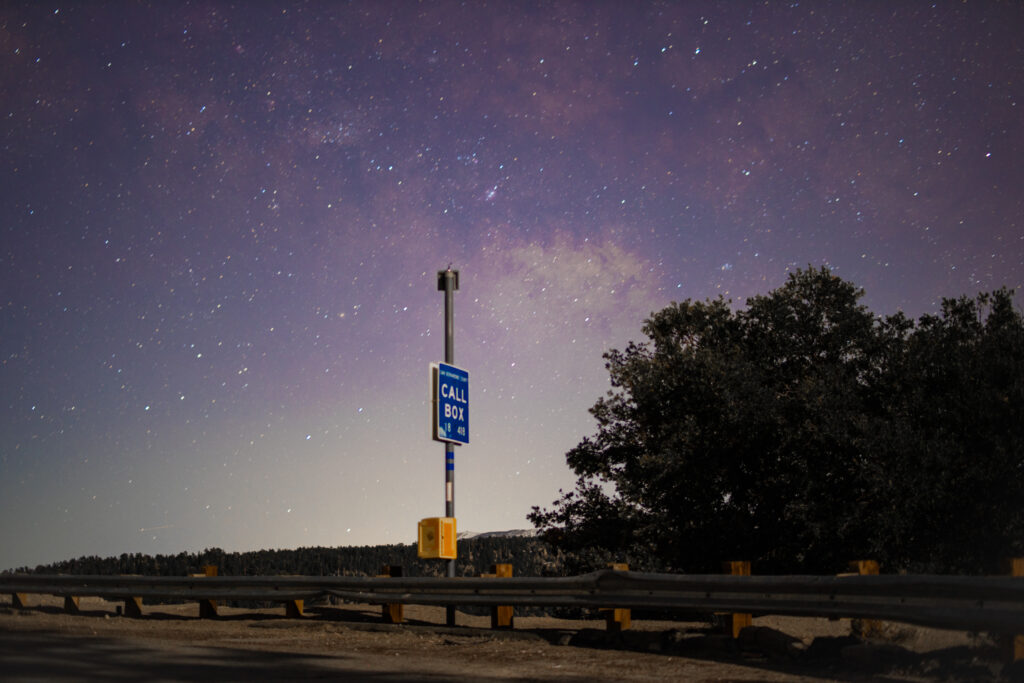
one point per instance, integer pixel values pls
(222, 226)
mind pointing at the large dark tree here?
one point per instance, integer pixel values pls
(803, 432)
(956, 470)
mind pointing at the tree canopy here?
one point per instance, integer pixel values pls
(803, 432)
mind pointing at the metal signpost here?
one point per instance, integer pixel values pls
(448, 282)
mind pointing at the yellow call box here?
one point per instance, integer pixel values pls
(437, 538)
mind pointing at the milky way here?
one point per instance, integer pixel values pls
(222, 227)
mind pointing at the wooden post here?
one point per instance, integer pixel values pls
(293, 609)
(1016, 649)
(133, 607)
(208, 608)
(502, 616)
(19, 600)
(867, 627)
(737, 621)
(865, 567)
(71, 604)
(392, 612)
(617, 619)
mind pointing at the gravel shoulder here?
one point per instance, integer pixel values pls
(350, 642)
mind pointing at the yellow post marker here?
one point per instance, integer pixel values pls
(294, 609)
(392, 612)
(865, 567)
(71, 604)
(866, 627)
(133, 607)
(737, 621)
(19, 600)
(436, 538)
(208, 608)
(617, 619)
(502, 616)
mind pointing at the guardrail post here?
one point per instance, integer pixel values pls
(393, 612)
(1016, 648)
(502, 616)
(208, 608)
(866, 627)
(71, 604)
(19, 600)
(133, 607)
(294, 609)
(737, 621)
(865, 567)
(617, 619)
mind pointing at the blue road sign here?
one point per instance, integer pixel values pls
(451, 398)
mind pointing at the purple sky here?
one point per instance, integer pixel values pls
(222, 227)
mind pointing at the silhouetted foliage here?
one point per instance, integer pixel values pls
(801, 433)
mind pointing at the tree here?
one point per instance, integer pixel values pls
(957, 475)
(779, 433)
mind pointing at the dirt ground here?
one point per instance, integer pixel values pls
(351, 642)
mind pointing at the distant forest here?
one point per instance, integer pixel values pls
(528, 557)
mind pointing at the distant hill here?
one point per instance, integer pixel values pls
(513, 533)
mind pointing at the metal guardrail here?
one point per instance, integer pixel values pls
(994, 604)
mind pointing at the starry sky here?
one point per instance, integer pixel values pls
(222, 226)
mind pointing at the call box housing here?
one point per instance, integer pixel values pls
(437, 538)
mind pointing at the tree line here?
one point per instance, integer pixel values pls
(529, 557)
